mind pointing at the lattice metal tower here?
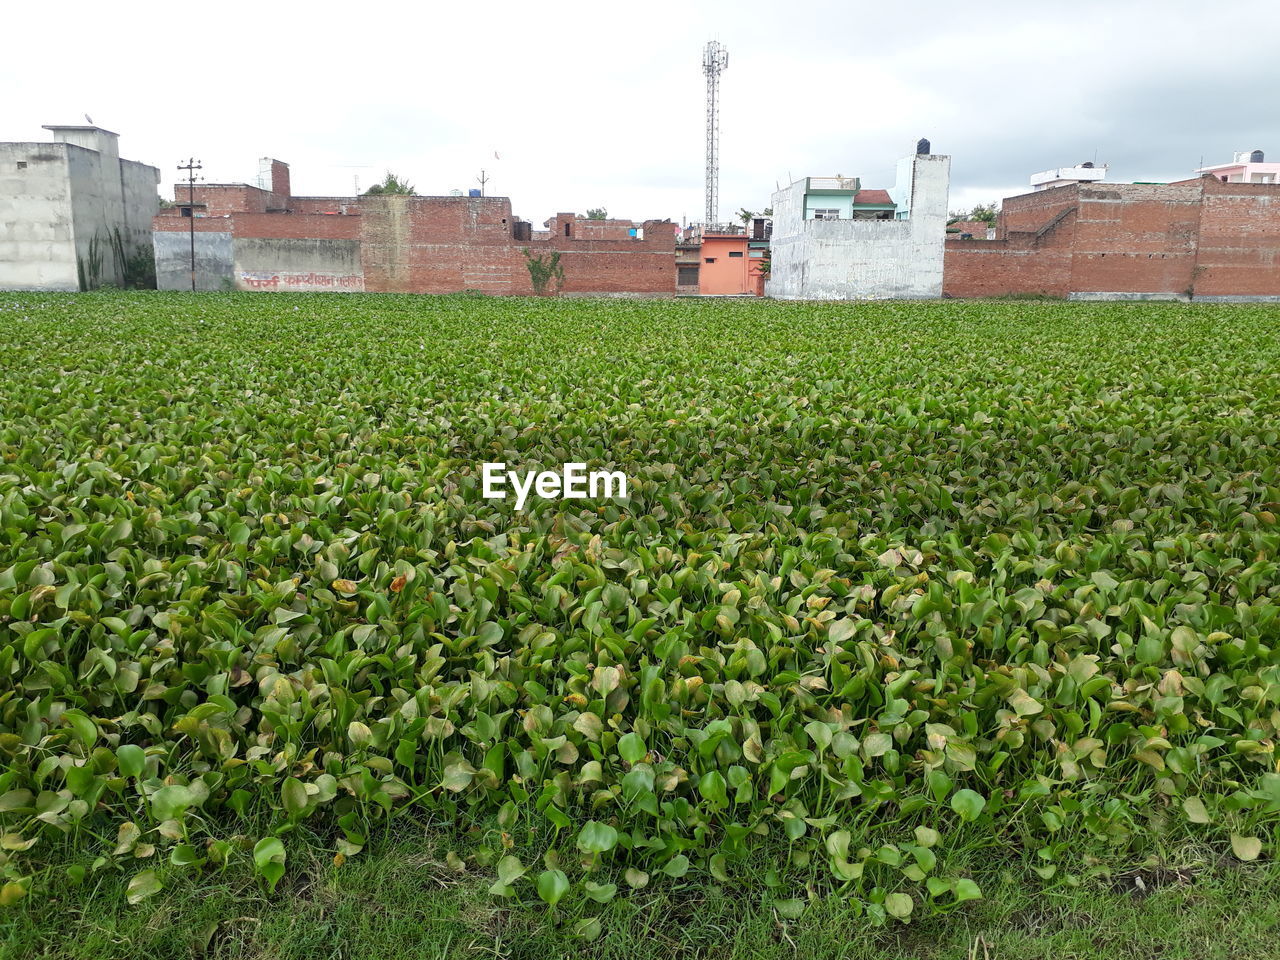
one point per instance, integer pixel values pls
(715, 58)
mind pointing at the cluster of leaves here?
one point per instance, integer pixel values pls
(546, 272)
(391, 185)
(889, 578)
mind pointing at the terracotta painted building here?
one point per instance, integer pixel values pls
(265, 238)
(1201, 238)
(731, 261)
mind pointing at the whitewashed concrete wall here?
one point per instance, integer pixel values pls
(864, 259)
(37, 240)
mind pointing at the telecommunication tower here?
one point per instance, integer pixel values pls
(715, 58)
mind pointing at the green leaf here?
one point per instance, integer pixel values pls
(293, 796)
(131, 760)
(597, 837)
(85, 729)
(968, 804)
(898, 905)
(552, 886)
(1245, 848)
(600, 892)
(1195, 810)
(712, 787)
(789, 909)
(268, 860)
(631, 748)
(143, 885)
(677, 866)
(169, 803)
(510, 869)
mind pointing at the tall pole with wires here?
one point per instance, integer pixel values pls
(191, 166)
(715, 58)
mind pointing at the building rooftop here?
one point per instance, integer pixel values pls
(77, 126)
(873, 196)
(1084, 172)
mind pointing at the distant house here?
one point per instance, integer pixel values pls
(833, 239)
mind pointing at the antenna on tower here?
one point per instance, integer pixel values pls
(715, 58)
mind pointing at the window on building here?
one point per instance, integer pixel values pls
(687, 276)
(711, 259)
(566, 229)
(22, 164)
(757, 253)
(186, 211)
(735, 253)
(826, 213)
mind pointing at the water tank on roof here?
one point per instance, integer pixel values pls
(473, 192)
(1087, 165)
(922, 146)
(1256, 156)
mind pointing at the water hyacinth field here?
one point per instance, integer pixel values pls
(892, 581)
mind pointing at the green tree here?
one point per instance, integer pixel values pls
(597, 213)
(986, 212)
(745, 215)
(391, 184)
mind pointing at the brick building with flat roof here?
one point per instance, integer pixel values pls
(264, 238)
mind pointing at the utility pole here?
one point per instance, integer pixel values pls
(483, 180)
(191, 166)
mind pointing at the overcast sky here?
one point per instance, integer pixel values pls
(574, 105)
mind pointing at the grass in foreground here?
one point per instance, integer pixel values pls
(404, 900)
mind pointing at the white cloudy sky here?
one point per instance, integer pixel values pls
(590, 104)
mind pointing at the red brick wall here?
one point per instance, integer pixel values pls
(225, 198)
(348, 205)
(295, 226)
(1032, 211)
(976, 228)
(171, 221)
(450, 244)
(264, 225)
(1200, 235)
(1031, 252)
(1239, 252)
(608, 260)
(994, 268)
(280, 180)
(1135, 238)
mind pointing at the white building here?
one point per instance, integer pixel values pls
(1250, 166)
(73, 215)
(833, 240)
(1087, 172)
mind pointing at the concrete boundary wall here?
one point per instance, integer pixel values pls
(215, 260)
